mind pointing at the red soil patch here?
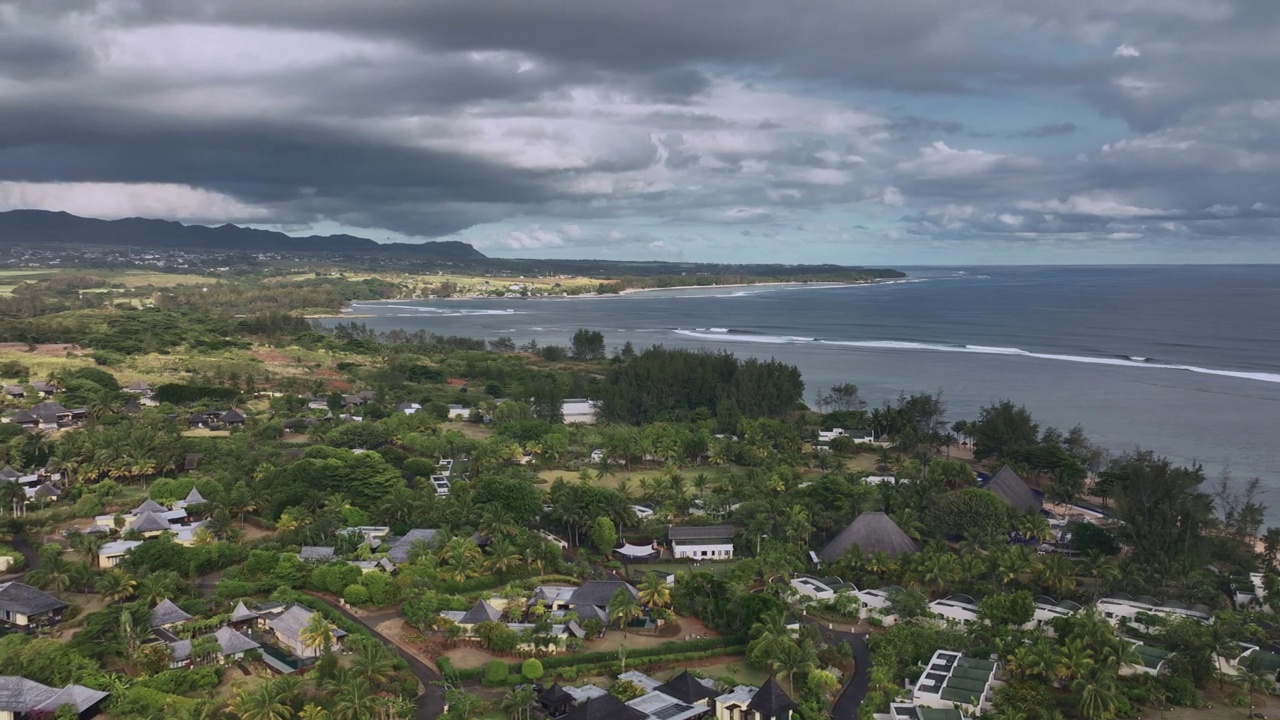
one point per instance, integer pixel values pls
(456, 381)
(271, 356)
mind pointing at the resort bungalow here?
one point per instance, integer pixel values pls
(317, 554)
(1251, 658)
(1144, 613)
(579, 411)
(957, 608)
(24, 608)
(1153, 660)
(166, 616)
(459, 412)
(1047, 610)
(1013, 491)
(481, 612)
(371, 535)
(1250, 592)
(231, 646)
(597, 593)
(769, 702)
(23, 699)
(702, 542)
(112, 553)
(875, 604)
(954, 681)
(288, 626)
(403, 547)
(871, 533)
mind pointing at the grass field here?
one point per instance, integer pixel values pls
(715, 472)
(10, 279)
(638, 571)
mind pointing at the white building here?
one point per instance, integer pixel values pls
(953, 681)
(960, 609)
(459, 412)
(702, 542)
(1047, 610)
(579, 410)
(907, 711)
(1139, 611)
(812, 588)
(1250, 592)
(1153, 660)
(441, 484)
(875, 603)
(112, 553)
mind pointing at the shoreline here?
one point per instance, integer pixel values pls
(345, 312)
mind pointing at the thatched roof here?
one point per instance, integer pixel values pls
(871, 532)
(1015, 493)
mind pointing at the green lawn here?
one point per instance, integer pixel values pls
(676, 567)
(715, 472)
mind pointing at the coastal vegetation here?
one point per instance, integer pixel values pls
(274, 436)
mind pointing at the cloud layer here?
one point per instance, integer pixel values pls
(911, 131)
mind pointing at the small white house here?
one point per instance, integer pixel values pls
(702, 542)
(579, 410)
(1138, 611)
(441, 484)
(812, 588)
(597, 456)
(112, 553)
(875, 603)
(826, 436)
(960, 609)
(1047, 610)
(459, 412)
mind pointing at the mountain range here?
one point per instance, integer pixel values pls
(29, 227)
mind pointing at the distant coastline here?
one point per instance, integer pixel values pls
(345, 312)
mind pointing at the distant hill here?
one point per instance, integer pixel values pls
(25, 227)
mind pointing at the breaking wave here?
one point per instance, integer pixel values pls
(727, 335)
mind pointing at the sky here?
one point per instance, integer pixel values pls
(908, 132)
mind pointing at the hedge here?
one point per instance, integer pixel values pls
(581, 662)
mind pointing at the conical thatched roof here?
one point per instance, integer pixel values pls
(1015, 493)
(872, 532)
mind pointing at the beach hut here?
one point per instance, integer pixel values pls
(871, 532)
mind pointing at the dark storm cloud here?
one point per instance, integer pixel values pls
(431, 117)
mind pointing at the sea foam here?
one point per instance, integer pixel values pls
(723, 335)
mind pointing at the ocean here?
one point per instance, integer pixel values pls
(1181, 360)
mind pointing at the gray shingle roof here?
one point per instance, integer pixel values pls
(399, 552)
(180, 650)
(1010, 488)
(233, 642)
(22, 696)
(148, 522)
(8, 473)
(604, 707)
(316, 553)
(481, 612)
(770, 701)
(20, 598)
(687, 688)
(166, 613)
(871, 532)
(242, 613)
(194, 497)
(701, 532)
(290, 623)
(598, 592)
(149, 506)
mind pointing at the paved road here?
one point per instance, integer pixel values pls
(430, 704)
(855, 691)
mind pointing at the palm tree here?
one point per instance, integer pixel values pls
(460, 560)
(116, 585)
(769, 635)
(654, 591)
(373, 662)
(318, 634)
(1056, 573)
(503, 557)
(519, 702)
(355, 701)
(313, 712)
(791, 659)
(623, 608)
(89, 544)
(259, 703)
(1074, 659)
(1098, 695)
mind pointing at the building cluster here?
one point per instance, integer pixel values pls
(148, 521)
(552, 615)
(684, 697)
